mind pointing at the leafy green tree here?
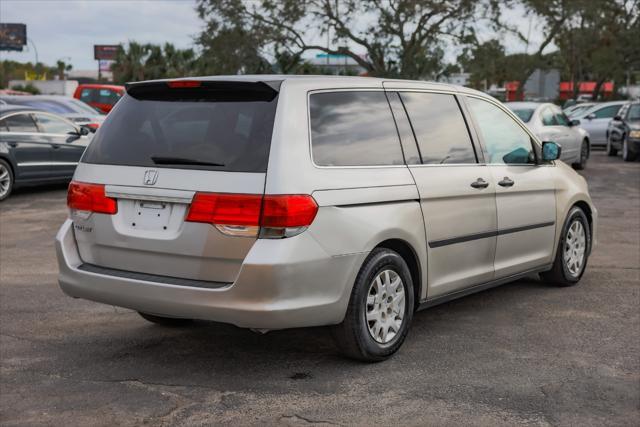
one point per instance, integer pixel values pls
(137, 62)
(402, 38)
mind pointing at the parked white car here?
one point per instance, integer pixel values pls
(596, 119)
(549, 123)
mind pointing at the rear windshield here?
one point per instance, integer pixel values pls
(190, 130)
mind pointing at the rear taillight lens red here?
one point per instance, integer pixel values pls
(288, 211)
(90, 197)
(275, 211)
(225, 209)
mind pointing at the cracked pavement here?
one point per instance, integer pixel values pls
(522, 354)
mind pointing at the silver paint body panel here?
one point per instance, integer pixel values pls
(307, 280)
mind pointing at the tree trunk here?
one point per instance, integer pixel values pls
(596, 89)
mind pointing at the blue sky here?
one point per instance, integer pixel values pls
(68, 29)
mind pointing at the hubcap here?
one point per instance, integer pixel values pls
(385, 306)
(575, 247)
(5, 180)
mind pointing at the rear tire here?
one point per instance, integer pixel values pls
(584, 156)
(611, 150)
(627, 154)
(165, 321)
(380, 309)
(573, 251)
(6, 179)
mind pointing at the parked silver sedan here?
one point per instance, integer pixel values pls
(596, 119)
(549, 123)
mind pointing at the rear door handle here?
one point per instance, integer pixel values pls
(479, 183)
(506, 182)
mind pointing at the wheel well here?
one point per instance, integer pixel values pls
(586, 139)
(13, 171)
(587, 211)
(409, 255)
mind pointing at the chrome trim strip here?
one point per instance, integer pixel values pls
(47, 164)
(486, 234)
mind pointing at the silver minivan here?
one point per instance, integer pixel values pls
(274, 202)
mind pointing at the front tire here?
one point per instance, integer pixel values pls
(584, 156)
(572, 252)
(172, 322)
(380, 308)
(6, 180)
(611, 150)
(627, 154)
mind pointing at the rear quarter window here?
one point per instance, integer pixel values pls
(353, 129)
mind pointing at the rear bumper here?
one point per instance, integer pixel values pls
(284, 283)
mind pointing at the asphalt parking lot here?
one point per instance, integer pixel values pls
(525, 353)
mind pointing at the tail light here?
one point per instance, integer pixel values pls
(272, 216)
(86, 197)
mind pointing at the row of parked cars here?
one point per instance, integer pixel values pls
(42, 137)
(612, 125)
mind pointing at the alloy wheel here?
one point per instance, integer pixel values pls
(5, 180)
(575, 248)
(385, 306)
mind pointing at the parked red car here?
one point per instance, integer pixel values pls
(100, 96)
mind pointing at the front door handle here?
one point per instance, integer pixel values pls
(13, 144)
(479, 183)
(506, 182)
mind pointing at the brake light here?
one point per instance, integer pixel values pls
(245, 214)
(90, 197)
(225, 209)
(177, 84)
(288, 211)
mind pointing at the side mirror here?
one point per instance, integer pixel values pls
(617, 118)
(591, 116)
(84, 131)
(574, 122)
(550, 151)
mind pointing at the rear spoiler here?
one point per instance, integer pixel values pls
(203, 90)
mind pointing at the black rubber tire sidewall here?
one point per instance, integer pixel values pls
(11, 179)
(611, 151)
(352, 335)
(631, 155)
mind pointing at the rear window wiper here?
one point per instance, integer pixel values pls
(161, 160)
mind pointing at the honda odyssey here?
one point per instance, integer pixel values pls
(273, 202)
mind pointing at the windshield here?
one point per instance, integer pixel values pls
(524, 113)
(81, 107)
(192, 132)
(634, 112)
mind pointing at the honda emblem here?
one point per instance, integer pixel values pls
(150, 177)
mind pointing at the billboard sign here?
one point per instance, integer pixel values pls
(13, 36)
(105, 52)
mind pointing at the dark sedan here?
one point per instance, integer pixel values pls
(624, 132)
(37, 147)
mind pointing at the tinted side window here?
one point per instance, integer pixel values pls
(86, 95)
(353, 129)
(505, 141)
(107, 96)
(409, 146)
(439, 128)
(561, 119)
(607, 112)
(50, 124)
(21, 123)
